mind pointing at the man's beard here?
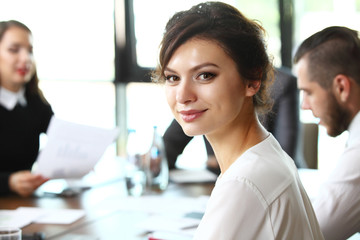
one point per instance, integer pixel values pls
(338, 118)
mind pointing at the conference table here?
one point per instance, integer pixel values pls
(103, 219)
(101, 201)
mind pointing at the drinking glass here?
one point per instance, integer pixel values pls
(10, 233)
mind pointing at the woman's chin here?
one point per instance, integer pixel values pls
(192, 132)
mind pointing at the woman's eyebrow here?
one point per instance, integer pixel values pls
(197, 67)
(167, 69)
(207, 64)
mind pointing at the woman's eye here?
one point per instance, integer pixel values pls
(206, 76)
(171, 78)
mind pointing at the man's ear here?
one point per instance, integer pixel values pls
(252, 87)
(341, 87)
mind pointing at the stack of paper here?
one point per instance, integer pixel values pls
(23, 216)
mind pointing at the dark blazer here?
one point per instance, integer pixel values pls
(19, 136)
(282, 121)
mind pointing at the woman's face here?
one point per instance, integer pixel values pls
(16, 58)
(204, 89)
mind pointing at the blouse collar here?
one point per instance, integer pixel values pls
(9, 99)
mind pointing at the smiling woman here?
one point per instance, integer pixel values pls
(217, 73)
(16, 61)
(24, 112)
(203, 81)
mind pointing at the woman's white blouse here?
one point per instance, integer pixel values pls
(259, 197)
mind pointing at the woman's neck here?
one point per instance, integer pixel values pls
(230, 144)
(12, 87)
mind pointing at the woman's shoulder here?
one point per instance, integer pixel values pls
(265, 167)
(37, 104)
(36, 99)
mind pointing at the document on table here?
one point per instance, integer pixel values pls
(163, 218)
(72, 149)
(163, 205)
(23, 216)
(192, 176)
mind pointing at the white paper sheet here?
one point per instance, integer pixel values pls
(72, 149)
(172, 235)
(23, 216)
(180, 222)
(56, 216)
(192, 176)
(164, 205)
(16, 218)
(168, 224)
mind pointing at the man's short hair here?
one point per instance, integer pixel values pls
(332, 51)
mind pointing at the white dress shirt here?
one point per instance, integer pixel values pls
(259, 197)
(9, 99)
(338, 204)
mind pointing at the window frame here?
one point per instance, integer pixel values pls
(126, 68)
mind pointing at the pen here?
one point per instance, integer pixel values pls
(189, 227)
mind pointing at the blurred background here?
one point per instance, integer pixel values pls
(94, 57)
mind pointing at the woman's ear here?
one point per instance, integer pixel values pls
(252, 87)
(341, 87)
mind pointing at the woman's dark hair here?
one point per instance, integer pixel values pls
(32, 87)
(242, 39)
(331, 51)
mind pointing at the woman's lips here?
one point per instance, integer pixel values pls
(22, 72)
(191, 115)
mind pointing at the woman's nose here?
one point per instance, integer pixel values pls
(26, 56)
(186, 92)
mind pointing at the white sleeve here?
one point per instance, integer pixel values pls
(337, 206)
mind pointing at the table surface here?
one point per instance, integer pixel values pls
(103, 219)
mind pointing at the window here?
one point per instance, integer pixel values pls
(74, 51)
(148, 38)
(73, 40)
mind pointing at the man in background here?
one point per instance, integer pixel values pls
(328, 72)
